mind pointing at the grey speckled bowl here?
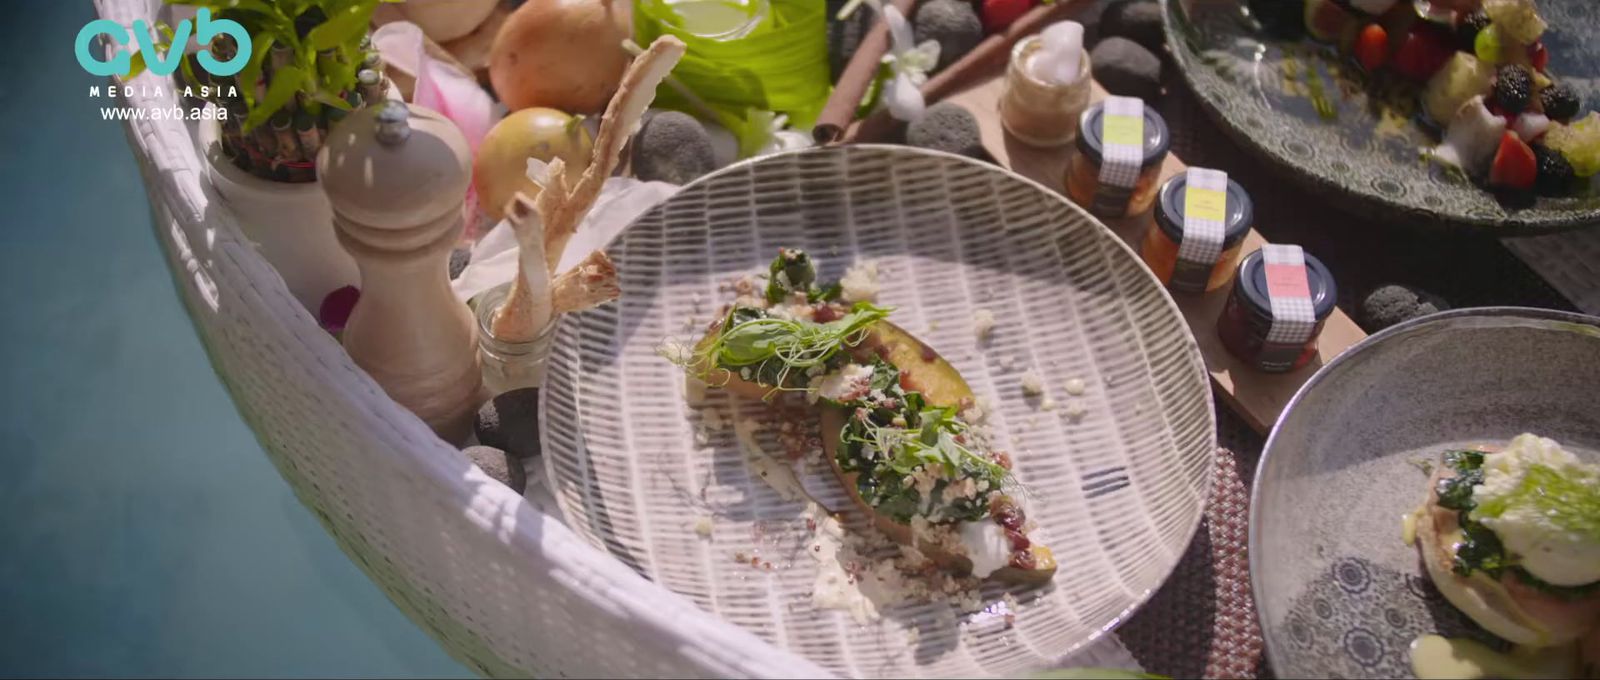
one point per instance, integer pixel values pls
(1338, 593)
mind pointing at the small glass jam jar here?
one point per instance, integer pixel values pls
(1083, 172)
(1161, 242)
(509, 365)
(1039, 112)
(1246, 319)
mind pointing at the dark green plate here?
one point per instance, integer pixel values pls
(1300, 106)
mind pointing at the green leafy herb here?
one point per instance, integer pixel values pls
(891, 434)
(1455, 492)
(791, 271)
(778, 348)
(1479, 550)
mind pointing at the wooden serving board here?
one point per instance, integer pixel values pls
(1258, 397)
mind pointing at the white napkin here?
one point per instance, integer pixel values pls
(622, 200)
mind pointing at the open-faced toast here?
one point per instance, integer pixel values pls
(893, 426)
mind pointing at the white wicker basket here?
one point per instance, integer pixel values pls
(508, 590)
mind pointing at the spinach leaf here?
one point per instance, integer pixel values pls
(1480, 550)
(792, 271)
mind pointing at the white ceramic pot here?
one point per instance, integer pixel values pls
(446, 20)
(291, 225)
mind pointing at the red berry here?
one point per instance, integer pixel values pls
(998, 14)
(1372, 47)
(1539, 56)
(1515, 166)
(1423, 53)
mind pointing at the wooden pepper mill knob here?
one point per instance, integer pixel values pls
(397, 176)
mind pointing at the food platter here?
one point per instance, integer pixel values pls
(1117, 469)
(1305, 110)
(1339, 591)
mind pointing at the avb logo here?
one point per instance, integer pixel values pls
(205, 30)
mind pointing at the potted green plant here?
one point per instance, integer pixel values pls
(310, 64)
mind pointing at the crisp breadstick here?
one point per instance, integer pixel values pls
(528, 307)
(622, 116)
(593, 282)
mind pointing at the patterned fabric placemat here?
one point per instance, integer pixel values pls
(1202, 623)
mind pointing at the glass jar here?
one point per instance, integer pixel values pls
(718, 19)
(1246, 319)
(509, 365)
(1083, 172)
(1040, 112)
(1161, 242)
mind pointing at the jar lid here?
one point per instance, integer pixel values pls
(1170, 210)
(1156, 139)
(1251, 286)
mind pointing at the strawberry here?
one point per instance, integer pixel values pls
(1424, 52)
(1538, 56)
(998, 14)
(1515, 166)
(1372, 47)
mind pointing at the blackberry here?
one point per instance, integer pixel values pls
(1560, 102)
(1555, 173)
(1513, 88)
(1467, 31)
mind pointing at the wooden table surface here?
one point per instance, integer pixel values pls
(1257, 397)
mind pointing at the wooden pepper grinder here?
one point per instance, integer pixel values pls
(397, 177)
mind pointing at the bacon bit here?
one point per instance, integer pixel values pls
(755, 561)
(1019, 540)
(883, 351)
(740, 557)
(1011, 619)
(906, 382)
(767, 565)
(1001, 458)
(824, 312)
(928, 355)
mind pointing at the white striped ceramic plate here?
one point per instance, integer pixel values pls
(1118, 490)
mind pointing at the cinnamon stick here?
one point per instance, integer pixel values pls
(989, 56)
(856, 77)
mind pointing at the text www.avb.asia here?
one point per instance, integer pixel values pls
(163, 113)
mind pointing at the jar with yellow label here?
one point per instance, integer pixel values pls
(1162, 242)
(1083, 172)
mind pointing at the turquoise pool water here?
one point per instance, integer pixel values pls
(142, 530)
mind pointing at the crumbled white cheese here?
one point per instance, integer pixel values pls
(983, 323)
(1076, 387)
(1076, 410)
(852, 382)
(1032, 384)
(675, 352)
(924, 478)
(860, 282)
(985, 543)
(1048, 404)
(703, 526)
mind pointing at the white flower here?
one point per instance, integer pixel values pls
(909, 63)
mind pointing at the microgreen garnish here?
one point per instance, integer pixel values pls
(773, 348)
